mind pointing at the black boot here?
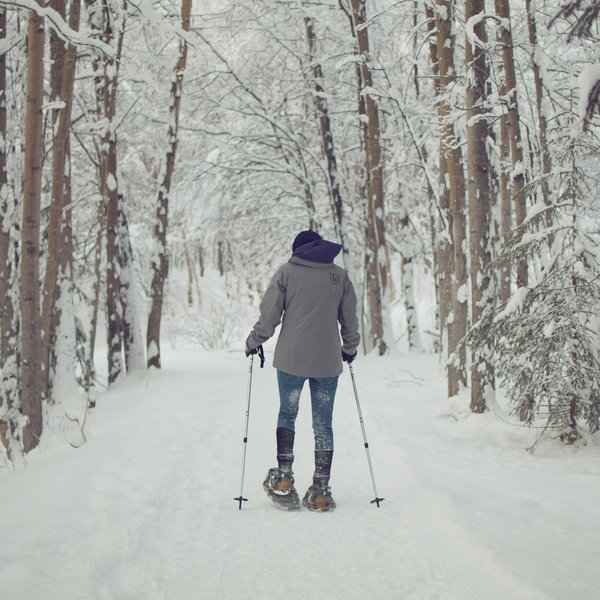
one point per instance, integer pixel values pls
(318, 496)
(279, 483)
(323, 460)
(285, 448)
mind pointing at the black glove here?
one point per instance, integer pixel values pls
(348, 357)
(258, 350)
(253, 351)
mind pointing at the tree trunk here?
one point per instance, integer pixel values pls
(110, 185)
(5, 262)
(514, 126)
(191, 269)
(160, 263)
(8, 351)
(59, 230)
(408, 288)
(542, 119)
(482, 375)
(90, 369)
(32, 360)
(57, 53)
(452, 194)
(327, 141)
(132, 328)
(110, 192)
(505, 205)
(443, 255)
(376, 275)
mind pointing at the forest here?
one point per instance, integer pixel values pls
(158, 157)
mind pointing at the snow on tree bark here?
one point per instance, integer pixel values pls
(109, 191)
(513, 124)
(482, 372)
(59, 245)
(443, 255)
(505, 204)
(32, 361)
(452, 186)
(160, 262)
(8, 351)
(327, 140)
(56, 55)
(546, 160)
(408, 287)
(133, 343)
(90, 370)
(376, 271)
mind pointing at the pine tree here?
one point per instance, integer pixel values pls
(545, 338)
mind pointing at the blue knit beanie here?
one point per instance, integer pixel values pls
(304, 237)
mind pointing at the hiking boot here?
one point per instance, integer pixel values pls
(318, 498)
(279, 486)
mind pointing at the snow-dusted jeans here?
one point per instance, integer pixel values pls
(322, 395)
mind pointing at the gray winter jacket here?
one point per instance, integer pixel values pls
(312, 297)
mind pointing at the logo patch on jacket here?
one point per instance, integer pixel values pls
(334, 278)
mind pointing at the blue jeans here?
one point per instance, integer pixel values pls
(322, 395)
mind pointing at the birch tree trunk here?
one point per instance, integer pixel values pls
(376, 272)
(160, 263)
(5, 263)
(8, 351)
(482, 374)
(32, 361)
(132, 327)
(514, 126)
(408, 287)
(90, 369)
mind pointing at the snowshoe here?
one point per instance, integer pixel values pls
(279, 486)
(318, 498)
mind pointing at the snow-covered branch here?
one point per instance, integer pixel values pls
(57, 23)
(589, 93)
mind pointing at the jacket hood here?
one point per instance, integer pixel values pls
(319, 251)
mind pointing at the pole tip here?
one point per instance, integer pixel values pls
(240, 499)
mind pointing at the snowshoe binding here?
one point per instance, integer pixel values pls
(279, 486)
(318, 498)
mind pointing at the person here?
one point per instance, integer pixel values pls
(315, 301)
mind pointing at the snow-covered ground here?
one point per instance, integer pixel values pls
(145, 508)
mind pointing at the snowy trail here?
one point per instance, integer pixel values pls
(145, 509)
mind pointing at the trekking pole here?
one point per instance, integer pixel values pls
(261, 355)
(377, 500)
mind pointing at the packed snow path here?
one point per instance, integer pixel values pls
(145, 508)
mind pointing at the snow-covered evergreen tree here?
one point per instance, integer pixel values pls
(546, 337)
